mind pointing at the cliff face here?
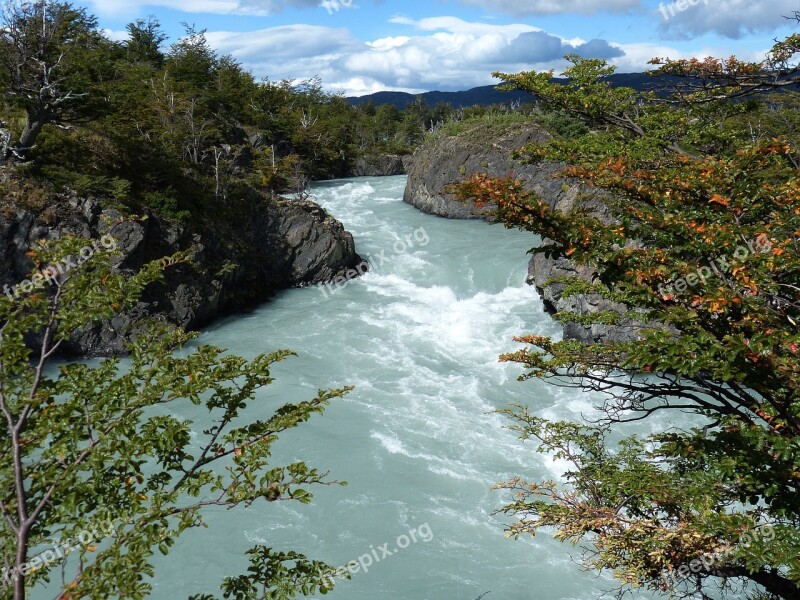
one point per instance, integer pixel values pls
(379, 165)
(488, 149)
(272, 246)
(479, 149)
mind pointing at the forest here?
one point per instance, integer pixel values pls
(173, 127)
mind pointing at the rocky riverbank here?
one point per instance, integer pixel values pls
(488, 148)
(269, 246)
(479, 149)
(379, 165)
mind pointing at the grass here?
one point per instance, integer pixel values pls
(494, 122)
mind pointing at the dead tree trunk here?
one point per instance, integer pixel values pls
(27, 140)
(5, 143)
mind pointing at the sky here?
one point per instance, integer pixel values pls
(357, 47)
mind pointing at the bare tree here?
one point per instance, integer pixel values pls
(226, 158)
(38, 43)
(299, 179)
(5, 139)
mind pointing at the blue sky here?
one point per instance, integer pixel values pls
(363, 46)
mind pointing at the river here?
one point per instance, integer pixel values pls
(418, 336)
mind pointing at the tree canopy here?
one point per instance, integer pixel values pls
(176, 128)
(702, 249)
(46, 61)
(85, 450)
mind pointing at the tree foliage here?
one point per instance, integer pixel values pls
(45, 58)
(98, 447)
(176, 127)
(703, 247)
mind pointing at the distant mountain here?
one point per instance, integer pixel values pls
(483, 96)
(487, 94)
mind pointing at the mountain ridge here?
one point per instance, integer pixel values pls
(487, 94)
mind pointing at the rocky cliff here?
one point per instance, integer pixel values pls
(379, 165)
(271, 245)
(487, 148)
(481, 148)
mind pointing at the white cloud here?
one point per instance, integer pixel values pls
(117, 36)
(730, 18)
(525, 8)
(288, 52)
(444, 53)
(361, 86)
(636, 56)
(456, 25)
(220, 7)
(285, 42)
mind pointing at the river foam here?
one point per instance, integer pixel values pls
(419, 336)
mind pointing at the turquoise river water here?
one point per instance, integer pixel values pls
(419, 338)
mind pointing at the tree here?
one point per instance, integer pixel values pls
(715, 79)
(83, 449)
(702, 248)
(144, 42)
(415, 121)
(191, 60)
(43, 47)
(150, 126)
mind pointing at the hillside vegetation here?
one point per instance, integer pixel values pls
(173, 127)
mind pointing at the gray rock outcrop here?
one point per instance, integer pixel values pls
(272, 246)
(479, 149)
(379, 165)
(489, 149)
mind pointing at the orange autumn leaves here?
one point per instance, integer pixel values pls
(674, 220)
